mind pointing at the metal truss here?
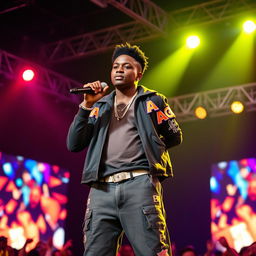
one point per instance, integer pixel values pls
(145, 12)
(15, 5)
(210, 12)
(216, 102)
(96, 42)
(46, 80)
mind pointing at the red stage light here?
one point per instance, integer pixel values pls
(28, 75)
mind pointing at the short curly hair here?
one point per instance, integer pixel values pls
(132, 50)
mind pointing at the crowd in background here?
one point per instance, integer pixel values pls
(221, 248)
(41, 249)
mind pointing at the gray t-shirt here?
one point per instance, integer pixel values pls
(123, 150)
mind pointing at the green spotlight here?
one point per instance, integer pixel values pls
(168, 73)
(249, 26)
(236, 66)
(192, 41)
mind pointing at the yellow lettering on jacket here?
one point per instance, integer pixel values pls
(151, 106)
(95, 112)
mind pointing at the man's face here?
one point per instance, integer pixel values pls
(125, 71)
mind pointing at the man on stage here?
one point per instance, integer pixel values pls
(127, 133)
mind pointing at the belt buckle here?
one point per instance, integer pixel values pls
(119, 177)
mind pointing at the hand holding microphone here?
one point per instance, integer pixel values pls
(92, 92)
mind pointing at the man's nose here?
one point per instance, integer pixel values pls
(120, 69)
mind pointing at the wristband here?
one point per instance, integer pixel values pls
(84, 108)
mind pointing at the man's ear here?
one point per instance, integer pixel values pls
(139, 76)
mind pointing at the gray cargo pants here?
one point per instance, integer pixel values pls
(133, 206)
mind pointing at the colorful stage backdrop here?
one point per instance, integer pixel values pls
(233, 202)
(33, 198)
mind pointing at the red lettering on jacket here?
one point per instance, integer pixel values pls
(161, 116)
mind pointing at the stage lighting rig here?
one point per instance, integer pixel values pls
(193, 41)
(249, 26)
(28, 75)
(200, 112)
(237, 107)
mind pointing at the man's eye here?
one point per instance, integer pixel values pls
(128, 67)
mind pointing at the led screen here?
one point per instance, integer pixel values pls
(33, 198)
(233, 202)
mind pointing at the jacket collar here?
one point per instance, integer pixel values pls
(142, 91)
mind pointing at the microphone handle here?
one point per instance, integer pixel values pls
(86, 90)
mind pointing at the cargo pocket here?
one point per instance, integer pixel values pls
(87, 225)
(156, 230)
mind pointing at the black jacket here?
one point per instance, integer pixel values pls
(156, 124)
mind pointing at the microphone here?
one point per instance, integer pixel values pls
(87, 90)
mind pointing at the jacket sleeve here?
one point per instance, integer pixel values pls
(166, 124)
(80, 131)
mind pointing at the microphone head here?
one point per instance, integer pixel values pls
(103, 84)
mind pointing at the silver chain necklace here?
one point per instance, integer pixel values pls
(125, 108)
